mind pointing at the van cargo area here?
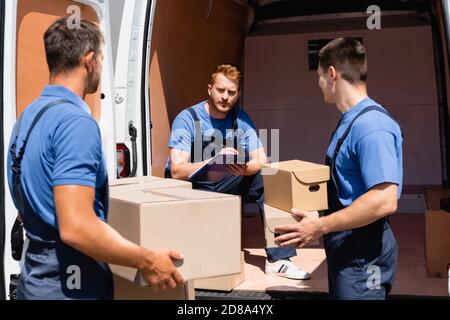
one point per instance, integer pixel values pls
(159, 61)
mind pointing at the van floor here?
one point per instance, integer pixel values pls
(411, 280)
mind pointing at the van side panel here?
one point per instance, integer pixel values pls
(186, 47)
(33, 19)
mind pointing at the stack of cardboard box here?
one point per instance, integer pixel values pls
(437, 241)
(292, 184)
(167, 214)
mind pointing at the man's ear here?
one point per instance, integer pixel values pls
(209, 89)
(332, 72)
(88, 61)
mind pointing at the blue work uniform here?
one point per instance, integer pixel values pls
(194, 131)
(365, 151)
(57, 142)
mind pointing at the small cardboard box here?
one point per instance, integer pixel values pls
(148, 182)
(204, 226)
(224, 283)
(274, 217)
(296, 184)
(437, 241)
(126, 290)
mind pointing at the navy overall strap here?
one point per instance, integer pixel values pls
(197, 146)
(18, 158)
(341, 140)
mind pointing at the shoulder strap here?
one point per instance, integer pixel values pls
(196, 148)
(347, 131)
(33, 124)
(234, 119)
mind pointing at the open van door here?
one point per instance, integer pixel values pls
(132, 89)
(25, 74)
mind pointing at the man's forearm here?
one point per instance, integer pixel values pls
(367, 209)
(183, 171)
(98, 240)
(252, 168)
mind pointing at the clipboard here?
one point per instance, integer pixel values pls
(216, 168)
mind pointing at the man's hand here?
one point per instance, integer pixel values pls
(159, 271)
(302, 233)
(238, 170)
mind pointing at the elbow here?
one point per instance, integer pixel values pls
(70, 235)
(389, 208)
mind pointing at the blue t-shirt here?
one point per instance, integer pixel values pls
(64, 148)
(183, 129)
(371, 154)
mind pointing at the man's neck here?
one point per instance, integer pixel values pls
(71, 82)
(213, 112)
(349, 96)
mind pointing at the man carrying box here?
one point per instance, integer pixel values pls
(58, 181)
(365, 159)
(219, 126)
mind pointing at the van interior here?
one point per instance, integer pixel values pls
(275, 44)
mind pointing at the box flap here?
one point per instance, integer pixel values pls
(167, 195)
(305, 172)
(313, 175)
(131, 181)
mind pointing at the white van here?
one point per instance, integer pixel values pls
(159, 56)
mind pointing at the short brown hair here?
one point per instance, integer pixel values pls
(228, 70)
(64, 46)
(348, 56)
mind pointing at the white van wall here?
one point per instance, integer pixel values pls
(280, 92)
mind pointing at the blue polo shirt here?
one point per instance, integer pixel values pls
(183, 129)
(64, 149)
(371, 154)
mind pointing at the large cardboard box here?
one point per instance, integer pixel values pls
(437, 241)
(204, 226)
(274, 217)
(147, 182)
(126, 290)
(296, 184)
(134, 180)
(224, 283)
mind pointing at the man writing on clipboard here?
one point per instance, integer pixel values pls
(218, 126)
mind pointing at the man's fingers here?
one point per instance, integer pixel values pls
(286, 228)
(299, 213)
(171, 284)
(287, 237)
(176, 276)
(176, 255)
(292, 243)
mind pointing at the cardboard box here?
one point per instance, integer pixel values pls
(134, 180)
(437, 241)
(274, 217)
(204, 226)
(126, 290)
(147, 182)
(224, 283)
(296, 184)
